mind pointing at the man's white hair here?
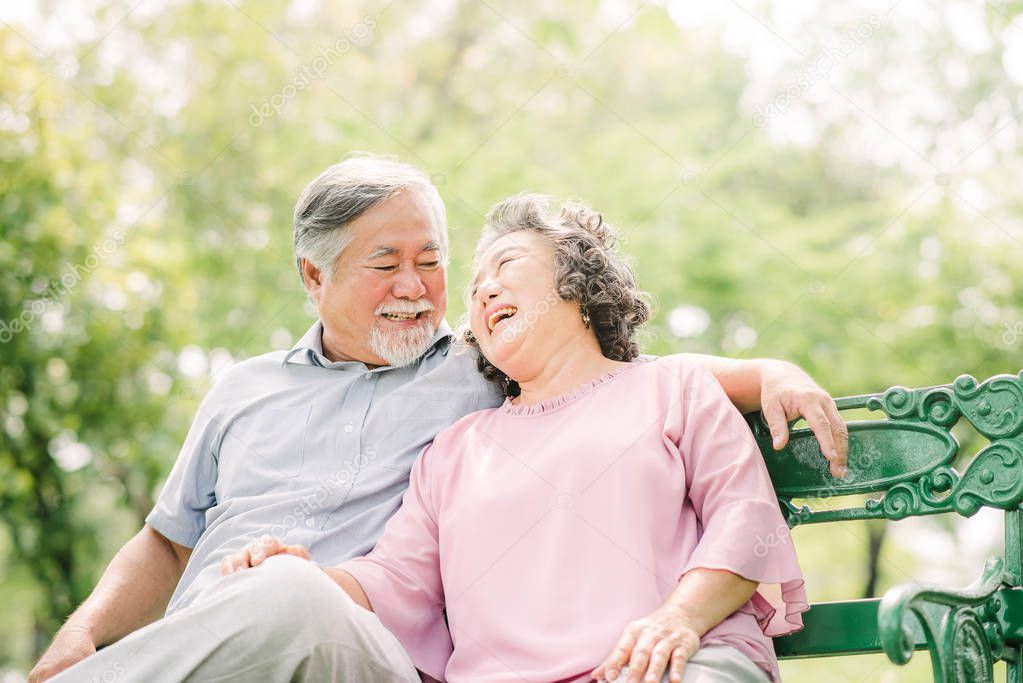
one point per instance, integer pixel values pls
(344, 192)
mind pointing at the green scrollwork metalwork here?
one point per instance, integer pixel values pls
(971, 659)
(994, 408)
(910, 463)
(907, 457)
(993, 479)
(935, 405)
(963, 634)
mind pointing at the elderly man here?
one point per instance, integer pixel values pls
(313, 446)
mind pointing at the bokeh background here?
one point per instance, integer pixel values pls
(831, 183)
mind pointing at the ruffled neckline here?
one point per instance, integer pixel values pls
(556, 402)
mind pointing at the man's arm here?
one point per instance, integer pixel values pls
(783, 391)
(133, 591)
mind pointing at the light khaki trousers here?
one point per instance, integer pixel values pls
(287, 621)
(282, 621)
(718, 664)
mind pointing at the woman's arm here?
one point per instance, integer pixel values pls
(666, 639)
(741, 379)
(349, 584)
(255, 553)
(704, 597)
(744, 539)
(783, 391)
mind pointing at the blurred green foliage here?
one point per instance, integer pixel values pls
(148, 173)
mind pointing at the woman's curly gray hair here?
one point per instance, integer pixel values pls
(587, 269)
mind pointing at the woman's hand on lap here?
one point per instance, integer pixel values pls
(661, 642)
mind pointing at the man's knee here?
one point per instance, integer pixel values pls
(298, 608)
(295, 596)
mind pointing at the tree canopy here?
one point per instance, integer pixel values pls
(831, 185)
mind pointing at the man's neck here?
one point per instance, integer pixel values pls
(337, 350)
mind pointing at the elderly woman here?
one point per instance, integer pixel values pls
(613, 518)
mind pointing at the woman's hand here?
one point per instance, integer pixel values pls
(787, 393)
(782, 391)
(662, 641)
(254, 553)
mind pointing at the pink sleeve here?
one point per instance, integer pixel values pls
(401, 576)
(743, 530)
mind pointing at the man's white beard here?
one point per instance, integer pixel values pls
(402, 347)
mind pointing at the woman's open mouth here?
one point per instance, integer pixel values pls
(499, 316)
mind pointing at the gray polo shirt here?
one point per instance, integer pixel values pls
(311, 451)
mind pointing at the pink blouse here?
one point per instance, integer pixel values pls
(543, 530)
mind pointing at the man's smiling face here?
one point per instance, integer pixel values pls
(388, 293)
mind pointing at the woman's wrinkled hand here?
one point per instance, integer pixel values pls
(650, 646)
(788, 393)
(256, 552)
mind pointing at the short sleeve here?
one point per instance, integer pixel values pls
(180, 510)
(728, 486)
(401, 576)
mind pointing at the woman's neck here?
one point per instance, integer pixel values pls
(567, 369)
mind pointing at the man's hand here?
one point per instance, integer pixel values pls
(787, 393)
(132, 592)
(254, 553)
(650, 646)
(71, 645)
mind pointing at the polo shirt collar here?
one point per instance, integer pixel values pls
(309, 349)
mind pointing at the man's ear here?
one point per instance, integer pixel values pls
(312, 277)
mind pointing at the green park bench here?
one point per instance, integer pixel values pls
(909, 464)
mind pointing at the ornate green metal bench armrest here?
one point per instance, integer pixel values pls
(964, 629)
(909, 464)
